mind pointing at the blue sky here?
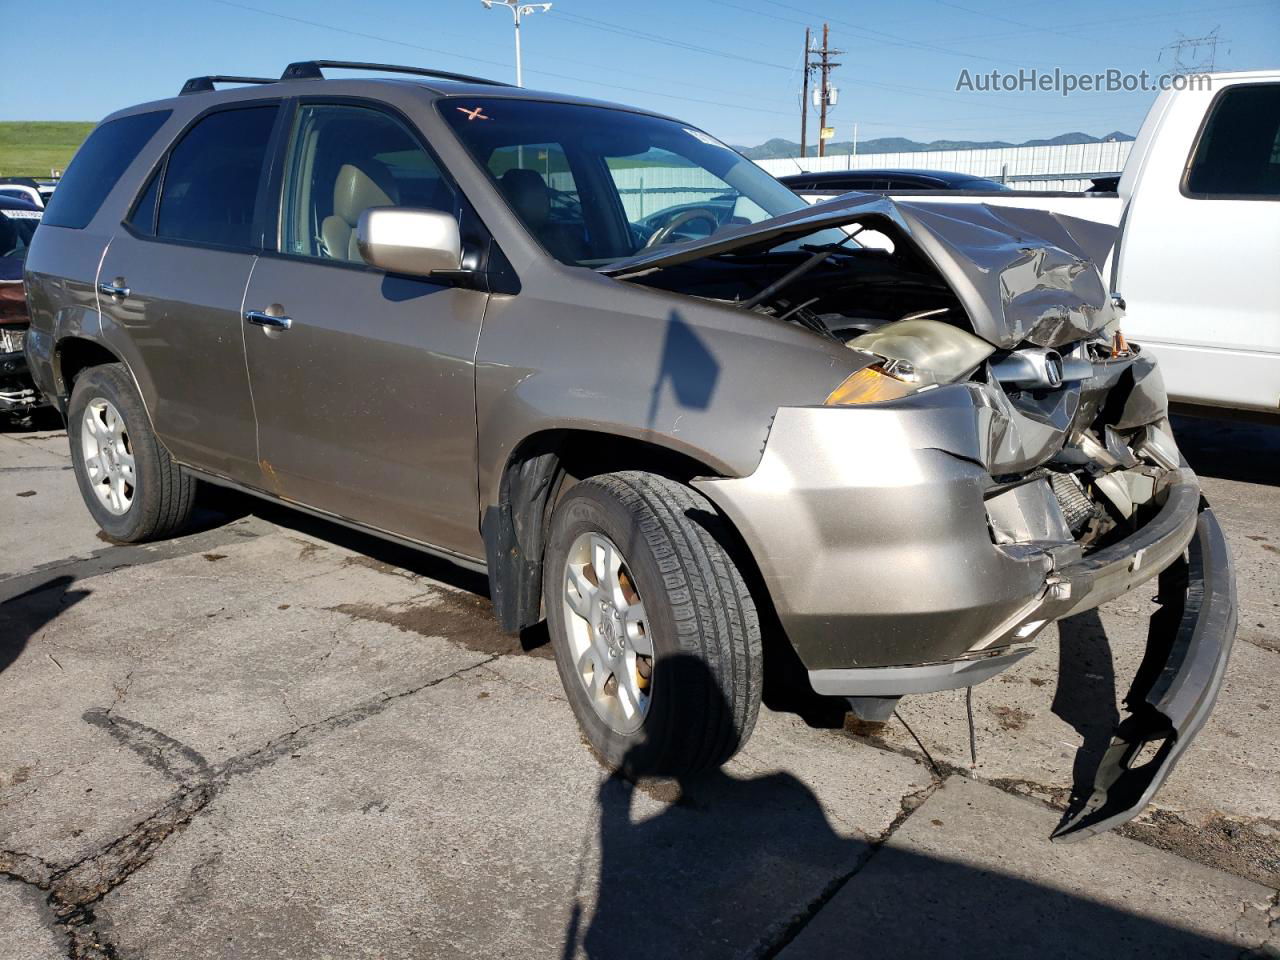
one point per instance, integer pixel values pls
(730, 66)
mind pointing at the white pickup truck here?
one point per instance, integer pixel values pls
(1197, 259)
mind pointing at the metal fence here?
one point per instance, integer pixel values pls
(646, 190)
(1060, 167)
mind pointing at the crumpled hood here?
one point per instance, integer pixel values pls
(1022, 275)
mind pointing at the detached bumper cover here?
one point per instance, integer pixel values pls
(1188, 647)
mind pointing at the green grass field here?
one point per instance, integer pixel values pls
(34, 148)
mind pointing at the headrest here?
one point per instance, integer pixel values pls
(357, 189)
(527, 192)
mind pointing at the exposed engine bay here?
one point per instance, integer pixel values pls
(1006, 300)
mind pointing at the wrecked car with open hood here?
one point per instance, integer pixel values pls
(663, 404)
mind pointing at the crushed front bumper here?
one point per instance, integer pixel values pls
(1188, 646)
(872, 534)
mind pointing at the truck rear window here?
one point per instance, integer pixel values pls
(97, 166)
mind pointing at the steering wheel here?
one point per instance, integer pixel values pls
(680, 219)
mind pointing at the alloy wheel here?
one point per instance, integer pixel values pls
(609, 640)
(108, 456)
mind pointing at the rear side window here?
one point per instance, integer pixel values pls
(97, 166)
(211, 179)
(143, 218)
(1238, 154)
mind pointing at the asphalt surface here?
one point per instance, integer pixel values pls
(276, 738)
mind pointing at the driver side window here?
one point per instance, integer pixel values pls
(343, 160)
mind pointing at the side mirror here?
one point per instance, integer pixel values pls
(408, 241)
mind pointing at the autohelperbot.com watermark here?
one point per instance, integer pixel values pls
(1065, 83)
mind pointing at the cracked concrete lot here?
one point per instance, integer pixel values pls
(276, 738)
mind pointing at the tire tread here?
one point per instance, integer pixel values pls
(162, 511)
(716, 618)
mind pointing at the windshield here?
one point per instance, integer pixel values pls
(596, 184)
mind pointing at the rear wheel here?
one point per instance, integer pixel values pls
(132, 488)
(656, 637)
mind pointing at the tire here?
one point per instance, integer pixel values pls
(159, 500)
(704, 683)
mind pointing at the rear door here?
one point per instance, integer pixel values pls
(173, 281)
(366, 402)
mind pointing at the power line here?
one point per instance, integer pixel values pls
(1031, 28)
(1095, 25)
(678, 44)
(667, 41)
(880, 36)
(1187, 47)
(866, 33)
(756, 108)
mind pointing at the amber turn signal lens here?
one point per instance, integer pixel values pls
(869, 385)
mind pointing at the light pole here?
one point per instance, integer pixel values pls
(518, 10)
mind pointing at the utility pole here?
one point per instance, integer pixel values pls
(804, 98)
(825, 66)
(517, 9)
(824, 95)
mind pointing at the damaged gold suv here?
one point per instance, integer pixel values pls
(600, 356)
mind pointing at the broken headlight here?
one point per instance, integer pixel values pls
(910, 355)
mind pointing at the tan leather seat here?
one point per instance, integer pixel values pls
(355, 190)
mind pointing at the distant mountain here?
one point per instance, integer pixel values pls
(778, 147)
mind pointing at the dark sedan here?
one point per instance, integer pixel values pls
(18, 222)
(886, 181)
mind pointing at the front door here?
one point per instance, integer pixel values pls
(365, 395)
(172, 283)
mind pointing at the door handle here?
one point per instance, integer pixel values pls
(270, 321)
(115, 289)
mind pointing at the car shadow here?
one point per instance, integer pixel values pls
(22, 616)
(230, 504)
(1085, 696)
(737, 866)
(1239, 450)
(40, 420)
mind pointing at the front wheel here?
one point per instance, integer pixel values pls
(656, 636)
(131, 487)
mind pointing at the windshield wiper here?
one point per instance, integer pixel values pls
(795, 273)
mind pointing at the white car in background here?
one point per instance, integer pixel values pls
(1197, 258)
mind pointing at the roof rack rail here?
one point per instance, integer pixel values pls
(312, 70)
(205, 84)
